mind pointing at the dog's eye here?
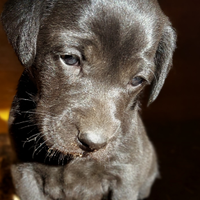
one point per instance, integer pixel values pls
(137, 81)
(70, 59)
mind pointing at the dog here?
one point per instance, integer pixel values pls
(74, 124)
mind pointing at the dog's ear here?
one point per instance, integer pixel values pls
(163, 60)
(21, 21)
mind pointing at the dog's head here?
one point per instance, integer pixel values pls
(86, 62)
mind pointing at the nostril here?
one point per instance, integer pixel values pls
(83, 145)
(82, 141)
(90, 141)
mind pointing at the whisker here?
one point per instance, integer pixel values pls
(23, 122)
(51, 153)
(40, 150)
(31, 130)
(48, 153)
(56, 153)
(40, 145)
(61, 158)
(42, 135)
(49, 114)
(23, 99)
(31, 138)
(31, 125)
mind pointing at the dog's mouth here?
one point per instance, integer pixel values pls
(64, 149)
(61, 155)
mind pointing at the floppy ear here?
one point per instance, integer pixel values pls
(21, 21)
(163, 60)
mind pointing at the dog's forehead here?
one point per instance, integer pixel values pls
(115, 30)
(124, 25)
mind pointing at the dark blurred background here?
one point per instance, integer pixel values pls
(172, 121)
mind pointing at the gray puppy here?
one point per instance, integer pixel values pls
(74, 122)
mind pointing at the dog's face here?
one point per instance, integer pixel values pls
(90, 73)
(88, 62)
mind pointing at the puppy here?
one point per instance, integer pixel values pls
(74, 123)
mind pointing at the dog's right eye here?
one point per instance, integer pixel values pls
(137, 81)
(70, 59)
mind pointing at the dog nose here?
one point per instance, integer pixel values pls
(90, 141)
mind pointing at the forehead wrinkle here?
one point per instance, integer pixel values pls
(61, 38)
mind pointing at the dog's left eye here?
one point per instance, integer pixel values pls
(71, 60)
(137, 81)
